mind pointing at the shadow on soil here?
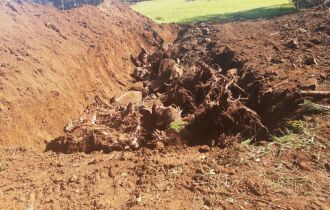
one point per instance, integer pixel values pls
(262, 12)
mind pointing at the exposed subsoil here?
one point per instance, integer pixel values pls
(47, 54)
(211, 87)
(195, 126)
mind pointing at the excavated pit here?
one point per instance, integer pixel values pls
(195, 91)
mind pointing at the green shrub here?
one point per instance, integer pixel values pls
(307, 3)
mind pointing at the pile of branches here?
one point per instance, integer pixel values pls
(188, 98)
(211, 102)
(194, 105)
(103, 127)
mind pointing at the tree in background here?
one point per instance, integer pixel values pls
(67, 4)
(299, 4)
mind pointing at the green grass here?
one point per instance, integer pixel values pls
(183, 11)
(296, 136)
(293, 141)
(177, 126)
(297, 127)
(309, 106)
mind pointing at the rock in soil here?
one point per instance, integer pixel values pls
(293, 44)
(129, 97)
(204, 149)
(310, 60)
(138, 86)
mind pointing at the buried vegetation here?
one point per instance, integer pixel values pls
(194, 92)
(186, 101)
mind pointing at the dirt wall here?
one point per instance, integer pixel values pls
(52, 63)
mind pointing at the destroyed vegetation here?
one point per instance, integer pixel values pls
(191, 92)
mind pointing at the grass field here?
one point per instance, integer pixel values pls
(187, 11)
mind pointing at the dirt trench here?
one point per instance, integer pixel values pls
(196, 91)
(230, 86)
(47, 54)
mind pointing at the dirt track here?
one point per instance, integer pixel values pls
(270, 61)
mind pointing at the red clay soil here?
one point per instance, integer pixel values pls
(271, 61)
(53, 63)
(216, 86)
(269, 176)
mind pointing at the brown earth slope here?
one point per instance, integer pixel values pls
(273, 60)
(53, 63)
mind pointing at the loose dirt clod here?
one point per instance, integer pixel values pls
(310, 60)
(293, 43)
(130, 97)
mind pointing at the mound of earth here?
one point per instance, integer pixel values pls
(54, 62)
(214, 85)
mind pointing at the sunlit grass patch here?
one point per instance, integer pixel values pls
(182, 11)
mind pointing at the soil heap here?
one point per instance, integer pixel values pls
(47, 54)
